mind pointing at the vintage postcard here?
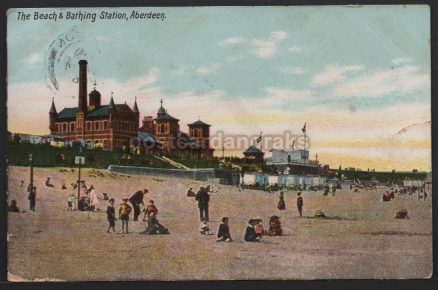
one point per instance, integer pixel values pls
(219, 143)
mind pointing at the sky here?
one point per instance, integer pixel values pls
(359, 77)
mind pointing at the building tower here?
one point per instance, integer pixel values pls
(94, 98)
(166, 129)
(136, 111)
(111, 123)
(200, 132)
(53, 115)
(161, 111)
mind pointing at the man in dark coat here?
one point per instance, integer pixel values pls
(136, 199)
(250, 234)
(203, 199)
(32, 198)
(300, 203)
(223, 234)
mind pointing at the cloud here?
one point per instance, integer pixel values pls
(294, 49)
(267, 48)
(292, 70)
(332, 74)
(400, 60)
(180, 70)
(280, 95)
(402, 80)
(280, 35)
(208, 69)
(32, 59)
(264, 48)
(152, 76)
(234, 40)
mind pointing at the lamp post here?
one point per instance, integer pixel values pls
(79, 180)
(31, 172)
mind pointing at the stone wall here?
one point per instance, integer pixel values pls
(223, 176)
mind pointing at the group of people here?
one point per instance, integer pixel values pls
(153, 226)
(282, 205)
(254, 230)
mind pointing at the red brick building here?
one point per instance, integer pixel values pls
(111, 126)
(116, 126)
(165, 130)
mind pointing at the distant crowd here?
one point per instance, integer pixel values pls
(89, 200)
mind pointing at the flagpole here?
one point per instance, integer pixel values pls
(305, 139)
(261, 143)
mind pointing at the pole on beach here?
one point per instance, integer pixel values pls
(31, 172)
(79, 180)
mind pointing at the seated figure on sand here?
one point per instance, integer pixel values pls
(275, 226)
(191, 193)
(402, 214)
(154, 227)
(48, 184)
(258, 227)
(223, 234)
(13, 206)
(250, 233)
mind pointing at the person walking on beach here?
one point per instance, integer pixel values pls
(281, 204)
(124, 211)
(111, 216)
(203, 199)
(300, 203)
(32, 198)
(136, 199)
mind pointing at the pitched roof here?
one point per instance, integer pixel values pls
(102, 111)
(111, 104)
(198, 123)
(166, 117)
(135, 109)
(67, 113)
(53, 108)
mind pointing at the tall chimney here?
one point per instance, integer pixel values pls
(82, 105)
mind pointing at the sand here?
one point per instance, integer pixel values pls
(362, 239)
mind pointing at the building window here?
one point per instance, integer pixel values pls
(97, 126)
(56, 128)
(88, 126)
(105, 124)
(72, 126)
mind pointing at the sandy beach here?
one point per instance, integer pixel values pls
(360, 239)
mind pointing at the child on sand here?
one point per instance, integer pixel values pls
(204, 228)
(70, 201)
(111, 216)
(250, 233)
(124, 211)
